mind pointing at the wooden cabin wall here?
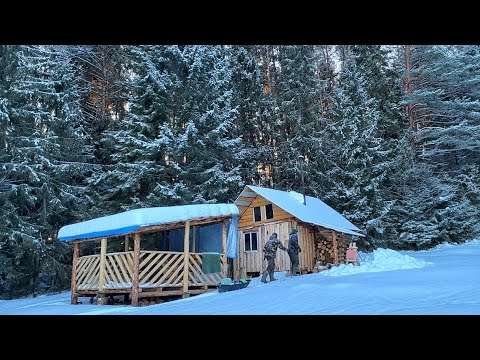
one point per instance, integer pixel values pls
(253, 262)
(306, 240)
(316, 242)
(246, 220)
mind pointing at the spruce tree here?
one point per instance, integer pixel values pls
(356, 161)
(208, 153)
(382, 74)
(179, 144)
(46, 158)
(254, 103)
(140, 172)
(446, 120)
(298, 125)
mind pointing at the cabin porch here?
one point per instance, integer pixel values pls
(160, 273)
(188, 258)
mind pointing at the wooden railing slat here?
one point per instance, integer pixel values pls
(158, 268)
(109, 274)
(126, 277)
(151, 262)
(115, 259)
(128, 263)
(156, 271)
(173, 269)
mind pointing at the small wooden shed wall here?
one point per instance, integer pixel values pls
(317, 242)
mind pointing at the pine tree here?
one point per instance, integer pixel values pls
(254, 117)
(140, 173)
(266, 113)
(46, 156)
(382, 74)
(208, 153)
(356, 160)
(298, 125)
(447, 107)
(445, 114)
(179, 144)
(101, 74)
(431, 211)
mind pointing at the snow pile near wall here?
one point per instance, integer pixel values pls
(378, 260)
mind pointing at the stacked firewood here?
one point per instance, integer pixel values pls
(325, 251)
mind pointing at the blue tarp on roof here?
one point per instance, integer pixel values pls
(129, 221)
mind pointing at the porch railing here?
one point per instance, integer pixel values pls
(157, 269)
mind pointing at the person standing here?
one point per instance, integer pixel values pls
(270, 253)
(293, 250)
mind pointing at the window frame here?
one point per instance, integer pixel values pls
(266, 213)
(255, 215)
(250, 241)
(262, 209)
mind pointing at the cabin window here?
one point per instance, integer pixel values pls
(257, 215)
(251, 243)
(269, 211)
(263, 212)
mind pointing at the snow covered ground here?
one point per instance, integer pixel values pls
(444, 280)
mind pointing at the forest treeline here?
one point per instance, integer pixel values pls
(390, 137)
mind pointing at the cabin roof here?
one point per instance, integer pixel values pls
(315, 212)
(129, 221)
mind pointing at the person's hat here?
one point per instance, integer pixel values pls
(294, 231)
(274, 235)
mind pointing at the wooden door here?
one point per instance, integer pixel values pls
(250, 256)
(282, 262)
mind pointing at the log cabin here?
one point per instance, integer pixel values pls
(161, 251)
(324, 234)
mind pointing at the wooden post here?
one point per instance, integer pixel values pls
(136, 266)
(73, 289)
(193, 242)
(103, 253)
(224, 247)
(126, 243)
(335, 248)
(186, 241)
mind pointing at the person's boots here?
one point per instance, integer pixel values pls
(294, 271)
(264, 276)
(271, 276)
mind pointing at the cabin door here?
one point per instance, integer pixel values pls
(250, 256)
(282, 262)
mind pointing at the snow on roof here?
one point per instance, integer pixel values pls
(128, 221)
(315, 212)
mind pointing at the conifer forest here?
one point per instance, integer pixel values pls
(390, 136)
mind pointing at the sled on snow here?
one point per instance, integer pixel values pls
(228, 284)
